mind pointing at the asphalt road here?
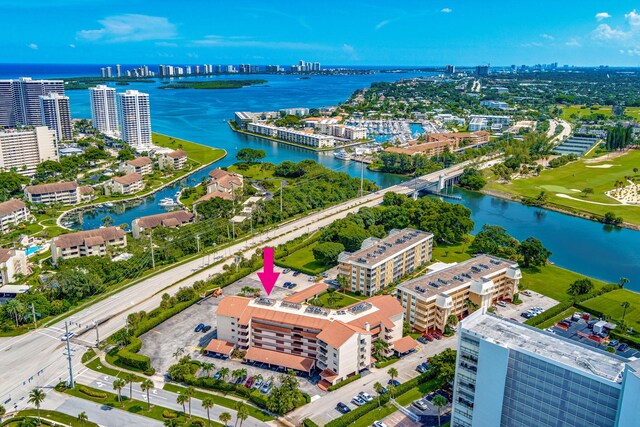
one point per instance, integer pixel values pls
(36, 359)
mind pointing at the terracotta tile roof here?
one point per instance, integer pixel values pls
(213, 195)
(220, 347)
(52, 188)
(139, 162)
(336, 333)
(85, 189)
(170, 222)
(178, 154)
(218, 173)
(305, 294)
(87, 237)
(152, 221)
(328, 374)
(404, 344)
(232, 306)
(11, 206)
(387, 306)
(128, 179)
(6, 254)
(281, 359)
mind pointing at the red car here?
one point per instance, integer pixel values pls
(427, 337)
(249, 382)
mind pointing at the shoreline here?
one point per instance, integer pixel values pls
(293, 144)
(554, 208)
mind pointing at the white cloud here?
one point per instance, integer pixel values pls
(72, 46)
(166, 44)
(573, 43)
(634, 18)
(547, 36)
(32, 46)
(131, 28)
(605, 32)
(382, 24)
(446, 10)
(532, 44)
(602, 15)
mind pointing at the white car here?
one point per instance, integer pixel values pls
(365, 396)
(501, 303)
(379, 424)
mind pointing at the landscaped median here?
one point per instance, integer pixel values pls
(48, 418)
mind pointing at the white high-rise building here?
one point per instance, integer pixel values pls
(56, 115)
(118, 70)
(104, 114)
(20, 100)
(24, 150)
(135, 118)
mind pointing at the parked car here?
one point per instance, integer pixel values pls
(421, 369)
(286, 270)
(365, 396)
(257, 383)
(323, 274)
(296, 273)
(379, 424)
(422, 340)
(384, 390)
(217, 375)
(613, 343)
(199, 327)
(421, 404)
(394, 382)
(358, 401)
(623, 346)
(425, 365)
(266, 387)
(501, 303)
(428, 337)
(341, 407)
(206, 329)
(249, 382)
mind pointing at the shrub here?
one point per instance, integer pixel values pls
(168, 414)
(308, 423)
(344, 382)
(93, 393)
(129, 356)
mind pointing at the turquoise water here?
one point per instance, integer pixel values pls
(200, 115)
(32, 249)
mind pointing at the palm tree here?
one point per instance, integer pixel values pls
(242, 413)
(393, 372)
(225, 417)
(129, 379)
(378, 388)
(146, 385)
(452, 320)
(236, 374)
(28, 422)
(247, 290)
(2, 412)
(82, 417)
(224, 373)
(380, 347)
(439, 402)
(257, 377)
(179, 352)
(208, 403)
(624, 305)
(189, 392)
(36, 397)
(391, 389)
(470, 305)
(118, 385)
(623, 281)
(181, 400)
(207, 368)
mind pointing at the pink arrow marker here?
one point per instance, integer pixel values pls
(268, 277)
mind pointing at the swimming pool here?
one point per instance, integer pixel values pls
(32, 249)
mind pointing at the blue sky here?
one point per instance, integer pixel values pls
(426, 32)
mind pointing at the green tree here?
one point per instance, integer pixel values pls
(625, 305)
(130, 379)
(225, 417)
(178, 353)
(146, 386)
(83, 418)
(182, 399)
(327, 252)
(118, 385)
(587, 191)
(393, 372)
(439, 402)
(443, 365)
(380, 347)
(2, 412)
(224, 373)
(242, 413)
(623, 281)
(580, 287)
(250, 155)
(611, 218)
(208, 403)
(207, 368)
(452, 320)
(472, 179)
(533, 253)
(36, 397)
(494, 240)
(189, 392)
(378, 389)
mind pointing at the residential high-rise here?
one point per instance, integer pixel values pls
(20, 100)
(56, 115)
(104, 116)
(108, 71)
(450, 69)
(118, 70)
(482, 70)
(135, 118)
(510, 374)
(24, 150)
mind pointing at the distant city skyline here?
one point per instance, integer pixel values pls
(340, 33)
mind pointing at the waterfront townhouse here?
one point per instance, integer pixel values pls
(305, 338)
(262, 129)
(223, 181)
(12, 213)
(456, 140)
(130, 183)
(13, 263)
(24, 149)
(169, 219)
(140, 165)
(175, 160)
(87, 243)
(66, 193)
(380, 262)
(480, 282)
(305, 138)
(512, 374)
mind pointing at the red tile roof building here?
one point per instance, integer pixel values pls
(169, 219)
(12, 213)
(86, 243)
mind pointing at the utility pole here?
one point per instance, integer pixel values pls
(233, 227)
(95, 325)
(198, 242)
(153, 257)
(362, 176)
(281, 197)
(228, 233)
(71, 382)
(33, 312)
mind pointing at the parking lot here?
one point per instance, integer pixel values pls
(513, 311)
(161, 342)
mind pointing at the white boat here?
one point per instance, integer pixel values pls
(168, 202)
(108, 205)
(342, 155)
(177, 195)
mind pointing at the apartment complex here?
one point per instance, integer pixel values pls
(380, 262)
(20, 100)
(12, 213)
(482, 122)
(175, 160)
(429, 300)
(306, 338)
(87, 243)
(223, 181)
(104, 116)
(130, 183)
(134, 118)
(510, 374)
(24, 149)
(169, 219)
(56, 115)
(439, 143)
(292, 135)
(66, 193)
(500, 105)
(12, 263)
(140, 165)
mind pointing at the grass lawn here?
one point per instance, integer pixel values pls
(254, 170)
(340, 300)
(303, 260)
(609, 304)
(53, 416)
(581, 111)
(552, 281)
(97, 366)
(633, 112)
(452, 253)
(570, 179)
(221, 401)
(198, 153)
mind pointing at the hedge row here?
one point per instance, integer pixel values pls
(549, 313)
(384, 363)
(344, 382)
(129, 355)
(93, 393)
(308, 423)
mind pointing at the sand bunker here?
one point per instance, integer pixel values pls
(607, 166)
